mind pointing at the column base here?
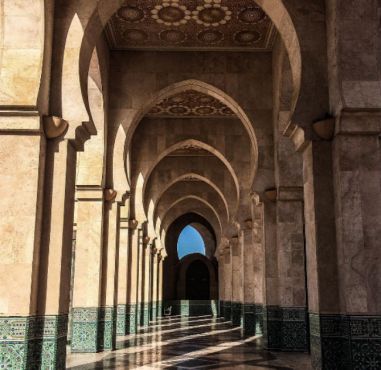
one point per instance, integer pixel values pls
(93, 329)
(153, 311)
(144, 314)
(221, 309)
(249, 319)
(286, 329)
(259, 319)
(159, 309)
(121, 320)
(237, 313)
(33, 342)
(227, 310)
(131, 318)
(345, 342)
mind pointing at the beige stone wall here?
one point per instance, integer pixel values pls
(20, 223)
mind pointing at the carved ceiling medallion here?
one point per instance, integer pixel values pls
(189, 104)
(191, 24)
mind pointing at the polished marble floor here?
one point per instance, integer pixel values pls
(199, 342)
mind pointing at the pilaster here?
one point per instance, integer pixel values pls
(237, 288)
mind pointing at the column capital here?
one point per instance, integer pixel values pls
(133, 224)
(234, 241)
(54, 127)
(271, 194)
(146, 240)
(110, 195)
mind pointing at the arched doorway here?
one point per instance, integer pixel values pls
(197, 281)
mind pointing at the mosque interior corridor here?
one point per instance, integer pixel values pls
(190, 184)
(197, 342)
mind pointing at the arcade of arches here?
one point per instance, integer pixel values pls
(257, 122)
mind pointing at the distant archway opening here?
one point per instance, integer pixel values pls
(190, 241)
(197, 281)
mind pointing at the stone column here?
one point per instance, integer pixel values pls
(258, 262)
(87, 302)
(248, 279)
(145, 302)
(271, 319)
(56, 250)
(132, 278)
(321, 254)
(237, 288)
(34, 270)
(110, 272)
(154, 282)
(228, 283)
(160, 284)
(344, 282)
(292, 309)
(123, 272)
(140, 288)
(221, 283)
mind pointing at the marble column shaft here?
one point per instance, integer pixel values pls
(248, 280)
(123, 271)
(87, 331)
(133, 280)
(237, 283)
(110, 273)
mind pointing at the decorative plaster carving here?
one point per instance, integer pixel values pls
(195, 25)
(190, 103)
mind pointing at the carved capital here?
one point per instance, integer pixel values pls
(54, 127)
(325, 128)
(248, 224)
(234, 241)
(110, 195)
(271, 194)
(133, 224)
(146, 240)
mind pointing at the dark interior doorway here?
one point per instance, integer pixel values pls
(197, 281)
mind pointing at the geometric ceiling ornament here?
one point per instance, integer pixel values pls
(190, 104)
(190, 24)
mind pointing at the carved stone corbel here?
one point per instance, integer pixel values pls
(271, 194)
(325, 128)
(248, 224)
(146, 240)
(54, 127)
(110, 195)
(133, 224)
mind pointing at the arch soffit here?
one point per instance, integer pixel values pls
(197, 144)
(199, 178)
(163, 231)
(165, 225)
(197, 195)
(275, 9)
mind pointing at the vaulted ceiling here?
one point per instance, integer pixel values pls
(191, 24)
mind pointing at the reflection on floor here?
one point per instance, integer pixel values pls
(189, 343)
